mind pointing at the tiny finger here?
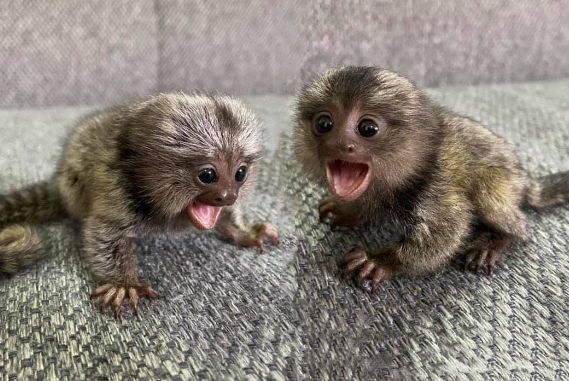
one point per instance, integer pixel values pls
(101, 290)
(366, 270)
(107, 299)
(353, 266)
(133, 298)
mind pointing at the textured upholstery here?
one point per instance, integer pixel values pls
(65, 52)
(239, 47)
(230, 314)
(444, 42)
(84, 52)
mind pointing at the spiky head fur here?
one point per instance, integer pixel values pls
(165, 140)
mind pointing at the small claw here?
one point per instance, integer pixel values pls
(379, 276)
(133, 299)
(469, 259)
(117, 295)
(260, 232)
(151, 293)
(323, 212)
(117, 313)
(373, 287)
(107, 299)
(485, 252)
(481, 259)
(273, 235)
(492, 260)
(353, 255)
(117, 304)
(326, 208)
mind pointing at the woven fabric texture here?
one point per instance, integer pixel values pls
(238, 47)
(231, 314)
(67, 52)
(442, 42)
(71, 52)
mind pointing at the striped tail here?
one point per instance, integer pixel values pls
(548, 191)
(20, 244)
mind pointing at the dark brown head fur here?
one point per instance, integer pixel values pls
(407, 126)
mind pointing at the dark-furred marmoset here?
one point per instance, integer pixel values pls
(387, 152)
(164, 164)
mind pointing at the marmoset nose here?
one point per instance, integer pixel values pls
(347, 148)
(225, 197)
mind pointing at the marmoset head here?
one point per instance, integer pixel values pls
(361, 128)
(190, 156)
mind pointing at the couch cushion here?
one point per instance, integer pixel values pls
(443, 42)
(68, 52)
(238, 47)
(228, 313)
(91, 52)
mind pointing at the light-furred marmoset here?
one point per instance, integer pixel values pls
(387, 152)
(159, 165)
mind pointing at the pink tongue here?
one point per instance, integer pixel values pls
(345, 177)
(203, 216)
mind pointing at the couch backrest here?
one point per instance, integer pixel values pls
(65, 52)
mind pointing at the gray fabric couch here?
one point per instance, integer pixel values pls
(231, 314)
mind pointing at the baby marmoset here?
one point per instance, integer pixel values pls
(159, 165)
(387, 152)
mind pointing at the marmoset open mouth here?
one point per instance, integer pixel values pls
(204, 217)
(347, 180)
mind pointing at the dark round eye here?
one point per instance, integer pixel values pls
(207, 175)
(241, 173)
(367, 128)
(323, 124)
